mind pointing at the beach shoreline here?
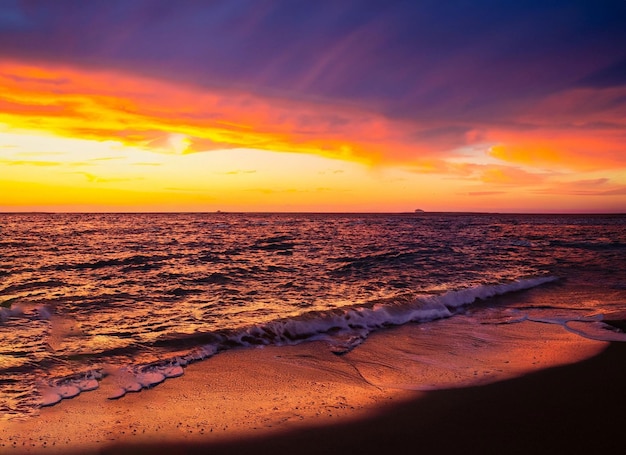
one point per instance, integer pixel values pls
(305, 399)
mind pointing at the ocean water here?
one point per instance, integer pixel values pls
(140, 296)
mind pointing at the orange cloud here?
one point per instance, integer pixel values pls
(491, 174)
(159, 115)
(587, 187)
(485, 193)
(509, 176)
(562, 149)
(580, 129)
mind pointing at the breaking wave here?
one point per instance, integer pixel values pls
(343, 329)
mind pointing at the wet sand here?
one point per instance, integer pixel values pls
(579, 408)
(304, 399)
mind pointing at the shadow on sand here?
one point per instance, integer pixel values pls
(577, 408)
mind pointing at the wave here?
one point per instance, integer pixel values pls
(597, 245)
(358, 264)
(343, 329)
(139, 261)
(364, 319)
(31, 286)
(282, 244)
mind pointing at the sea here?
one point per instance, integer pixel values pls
(141, 296)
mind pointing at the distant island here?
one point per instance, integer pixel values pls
(419, 211)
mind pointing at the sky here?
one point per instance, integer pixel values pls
(331, 105)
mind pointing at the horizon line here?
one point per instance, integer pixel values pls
(228, 212)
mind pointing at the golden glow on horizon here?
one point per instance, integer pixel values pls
(72, 140)
(83, 175)
(89, 175)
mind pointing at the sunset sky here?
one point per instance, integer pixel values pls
(327, 105)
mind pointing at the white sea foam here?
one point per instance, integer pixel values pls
(135, 378)
(595, 330)
(343, 329)
(422, 309)
(590, 327)
(69, 387)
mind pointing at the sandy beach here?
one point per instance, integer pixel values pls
(304, 399)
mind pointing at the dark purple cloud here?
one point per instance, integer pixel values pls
(614, 75)
(478, 60)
